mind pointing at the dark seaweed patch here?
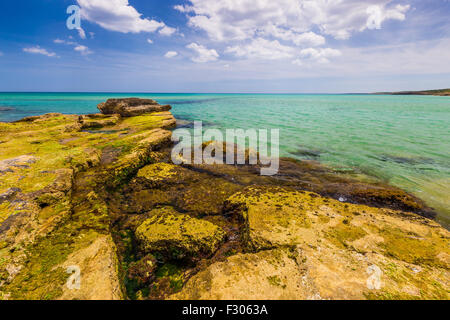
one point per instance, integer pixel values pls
(406, 160)
(310, 154)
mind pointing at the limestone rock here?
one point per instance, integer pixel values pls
(93, 121)
(179, 236)
(98, 268)
(349, 251)
(53, 204)
(131, 107)
(267, 275)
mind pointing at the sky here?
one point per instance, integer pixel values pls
(226, 46)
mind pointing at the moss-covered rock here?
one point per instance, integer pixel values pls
(347, 247)
(178, 236)
(53, 209)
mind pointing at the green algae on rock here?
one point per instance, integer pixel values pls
(179, 236)
(53, 210)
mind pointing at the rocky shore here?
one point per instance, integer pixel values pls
(441, 93)
(99, 193)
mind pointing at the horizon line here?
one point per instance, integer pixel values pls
(143, 92)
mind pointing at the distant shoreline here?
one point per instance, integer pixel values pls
(440, 92)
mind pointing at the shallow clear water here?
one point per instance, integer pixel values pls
(403, 140)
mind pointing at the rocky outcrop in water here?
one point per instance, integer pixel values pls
(99, 194)
(131, 107)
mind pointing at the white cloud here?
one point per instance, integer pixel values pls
(183, 8)
(171, 54)
(378, 14)
(262, 49)
(76, 46)
(150, 41)
(321, 55)
(81, 33)
(288, 19)
(299, 39)
(203, 54)
(39, 50)
(117, 15)
(297, 62)
(167, 31)
(83, 50)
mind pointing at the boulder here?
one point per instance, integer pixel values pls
(178, 236)
(131, 107)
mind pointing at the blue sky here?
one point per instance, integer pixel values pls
(286, 46)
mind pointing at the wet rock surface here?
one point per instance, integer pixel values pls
(100, 192)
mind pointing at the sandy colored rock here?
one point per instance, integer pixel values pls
(344, 245)
(93, 121)
(267, 275)
(98, 272)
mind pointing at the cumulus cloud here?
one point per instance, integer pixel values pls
(83, 50)
(320, 55)
(287, 19)
(378, 14)
(171, 54)
(203, 54)
(299, 39)
(167, 31)
(76, 46)
(262, 49)
(117, 15)
(39, 50)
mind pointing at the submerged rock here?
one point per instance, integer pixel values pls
(179, 236)
(131, 107)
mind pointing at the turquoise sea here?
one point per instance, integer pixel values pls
(402, 140)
